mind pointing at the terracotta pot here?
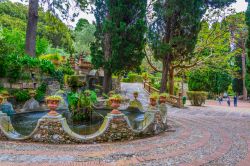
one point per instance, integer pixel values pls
(56, 62)
(115, 104)
(163, 99)
(153, 102)
(52, 105)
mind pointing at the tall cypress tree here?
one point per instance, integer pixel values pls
(120, 37)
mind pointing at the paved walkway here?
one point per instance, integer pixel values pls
(204, 136)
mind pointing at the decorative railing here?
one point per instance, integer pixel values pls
(171, 99)
(150, 89)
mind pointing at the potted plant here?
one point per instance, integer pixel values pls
(163, 98)
(136, 94)
(32, 93)
(153, 99)
(52, 103)
(1, 99)
(115, 101)
(5, 94)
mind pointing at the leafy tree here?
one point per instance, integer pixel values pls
(119, 37)
(175, 28)
(81, 24)
(14, 16)
(84, 36)
(13, 42)
(56, 7)
(210, 80)
(238, 31)
(248, 46)
(237, 82)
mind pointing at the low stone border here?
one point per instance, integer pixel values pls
(54, 129)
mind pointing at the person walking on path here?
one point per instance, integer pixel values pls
(228, 101)
(220, 100)
(235, 101)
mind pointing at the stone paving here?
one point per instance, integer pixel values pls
(207, 136)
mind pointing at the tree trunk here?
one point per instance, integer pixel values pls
(171, 81)
(30, 45)
(164, 78)
(243, 57)
(107, 82)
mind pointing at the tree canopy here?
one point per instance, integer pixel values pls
(127, 31)
(174, 30)
(83, 36)
(14, 16)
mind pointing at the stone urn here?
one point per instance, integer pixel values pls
(5, 96)
(115, 104)
(162, 99)
(1, 100)
(135, 95)
(53, 103)
(32, 94)
(153, 101)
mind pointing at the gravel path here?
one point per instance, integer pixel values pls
(204, 136)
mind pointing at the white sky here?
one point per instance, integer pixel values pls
(240, 6)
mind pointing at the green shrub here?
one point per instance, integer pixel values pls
(133, 77)
(74, 82)
(21, 95)
(81, 104)
(40, 92)
(197, 98)
(51, 57)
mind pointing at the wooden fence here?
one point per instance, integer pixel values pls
(171, 99)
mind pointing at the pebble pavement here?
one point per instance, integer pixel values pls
(207, 136)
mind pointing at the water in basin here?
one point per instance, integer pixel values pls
(25, 123)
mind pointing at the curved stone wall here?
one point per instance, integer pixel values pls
(54, 129)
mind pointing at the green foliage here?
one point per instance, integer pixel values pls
(14, 68)
(81, 24)
(73, 100)
(175, 30)
(133, 77)
(51, 57)
(248, 47)
(210, 80)
(19, 67)
(238, 82)
(126, 31)
(60, 51)
(81, 104)
(73, 82)
(197, 98)
(13, 42)
(66, 69)
(47, 67)
(50, 28)
(154, 96)
(40, 92)
(21, 95)
(84, 36)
